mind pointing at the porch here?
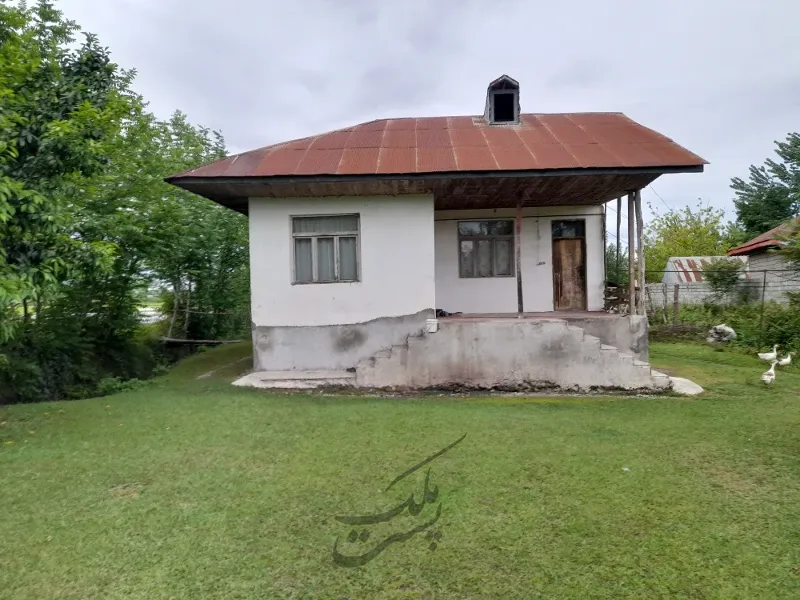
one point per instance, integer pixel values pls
(627, 333)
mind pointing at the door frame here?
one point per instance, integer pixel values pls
(553, 241)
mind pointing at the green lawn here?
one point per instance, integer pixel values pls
(192, 489)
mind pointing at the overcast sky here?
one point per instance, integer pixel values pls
(719, 77)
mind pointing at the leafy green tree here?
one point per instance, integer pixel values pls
(168, 236)
(792, 248)
(771, 195)
(87, 224)
(616, 274)
(58, 103)
(685, 232)
(723, 277)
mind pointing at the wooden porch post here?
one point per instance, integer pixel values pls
(619, 222)
(605, 245)
(517, 256)
(631, 254)
(640, 250)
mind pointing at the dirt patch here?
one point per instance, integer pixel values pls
(126, 490)
(728, 477)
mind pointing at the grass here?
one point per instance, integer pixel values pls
(189, 488)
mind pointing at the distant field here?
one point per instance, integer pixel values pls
(190, 489)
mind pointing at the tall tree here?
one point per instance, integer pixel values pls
(58, 104)
(685, 232)
(771, 195)
(87, 223)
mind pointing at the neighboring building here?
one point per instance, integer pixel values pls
(767, 267)
(687, 272)
(361, 237)
(689, 269)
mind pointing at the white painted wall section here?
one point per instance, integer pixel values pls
(397, 261)
(499, 294)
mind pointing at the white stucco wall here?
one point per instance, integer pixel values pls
(499, 294)
(397, 261)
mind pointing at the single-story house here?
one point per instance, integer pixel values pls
(767, 267)
(443, 252)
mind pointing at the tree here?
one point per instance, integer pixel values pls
(685, 232)
(723, 277)
(616, 274)
(792, 248)
(58, 104)
(87, 223)
(771, 195)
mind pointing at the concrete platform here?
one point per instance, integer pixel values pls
(296, 380)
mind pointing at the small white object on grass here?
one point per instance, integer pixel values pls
(625, 469)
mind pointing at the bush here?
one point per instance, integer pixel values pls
(114, 385)
(780, 323)
(58, 356)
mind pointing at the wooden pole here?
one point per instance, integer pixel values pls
(619, 222)
(517, 256)
(631, 253)
(605, 246)
(761, 319)
(675, 304)
(640, 251)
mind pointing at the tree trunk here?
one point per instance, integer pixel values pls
(188, 306)
(175, 295)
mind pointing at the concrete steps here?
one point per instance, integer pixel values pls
(297, 380)
(504, 355)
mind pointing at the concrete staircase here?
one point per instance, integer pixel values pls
(507, 354)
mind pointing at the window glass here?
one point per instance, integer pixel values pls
(303, 267)
(348, 266)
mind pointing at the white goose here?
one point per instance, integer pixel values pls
(786, 360)
(770, 356)
(768, 377)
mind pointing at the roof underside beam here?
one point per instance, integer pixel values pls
(451, 191)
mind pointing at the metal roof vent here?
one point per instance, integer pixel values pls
(502, 102)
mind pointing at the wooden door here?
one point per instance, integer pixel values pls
(569, 274)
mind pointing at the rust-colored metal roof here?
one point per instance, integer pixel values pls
(415, 146)
(689, 269)
(768, 239)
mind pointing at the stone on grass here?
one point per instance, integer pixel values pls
(721, 334)
(685, 387)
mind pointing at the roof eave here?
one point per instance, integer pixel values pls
(750, 248)
(178, 179)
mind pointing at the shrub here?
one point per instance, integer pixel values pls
(780, 323)
(114, 385)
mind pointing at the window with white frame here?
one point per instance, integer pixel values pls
(486, 248)
(325, 248)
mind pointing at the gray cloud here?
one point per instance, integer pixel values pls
(582, 74)
(720, 78)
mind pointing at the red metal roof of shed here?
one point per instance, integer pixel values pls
(767, 239)
(461, 144)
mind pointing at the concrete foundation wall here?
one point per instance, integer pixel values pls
(330, 347)
(507, 354)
